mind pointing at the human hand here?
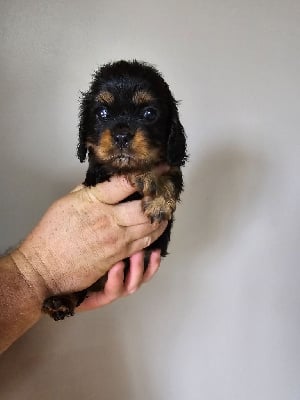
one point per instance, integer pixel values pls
(118, 286)
(82, 236)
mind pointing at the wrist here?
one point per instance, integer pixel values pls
(20, 305)
(28, 268)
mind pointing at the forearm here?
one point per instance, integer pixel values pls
(20, 303)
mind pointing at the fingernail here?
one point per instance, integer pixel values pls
(132, 290)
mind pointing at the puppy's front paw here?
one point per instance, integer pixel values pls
(59, 307)
(146, 184)
(158, 209)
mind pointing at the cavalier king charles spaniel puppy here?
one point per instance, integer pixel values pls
(129, 125)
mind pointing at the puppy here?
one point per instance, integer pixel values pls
(129, 125)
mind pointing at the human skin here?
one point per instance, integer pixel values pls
(82, 236)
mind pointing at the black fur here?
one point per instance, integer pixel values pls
(164, 137)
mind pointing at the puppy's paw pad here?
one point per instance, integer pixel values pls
(58, 307)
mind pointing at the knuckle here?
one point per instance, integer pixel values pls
(125, 183)
(148, 241)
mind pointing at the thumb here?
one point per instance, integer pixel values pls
(109, 192)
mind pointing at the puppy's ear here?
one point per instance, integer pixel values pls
(81, 148)
(176, 150)
(84, 125)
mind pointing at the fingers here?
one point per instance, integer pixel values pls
(112, 191)
(116, 189)
(113, 289)
(130, 213)
(116, 287)
(135, 274)
(145, 234)
(153, 265)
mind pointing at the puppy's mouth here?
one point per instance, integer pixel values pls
(114, 155)
(122, 157)
(124, 154)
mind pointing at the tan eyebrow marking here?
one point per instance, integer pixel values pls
(105, 97)
(142, 96)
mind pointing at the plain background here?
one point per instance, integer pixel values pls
(221, 319)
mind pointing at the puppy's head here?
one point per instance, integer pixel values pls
(129, 119)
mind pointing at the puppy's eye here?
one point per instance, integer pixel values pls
(150, 114)
(102, 112)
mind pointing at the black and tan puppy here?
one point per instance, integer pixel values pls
(129, 125)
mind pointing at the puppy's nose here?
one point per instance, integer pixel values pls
(122, 139)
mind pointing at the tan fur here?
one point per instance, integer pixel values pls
(142, 97)
(141, 147)
(105, 97)
(159, 200)
(104, 148)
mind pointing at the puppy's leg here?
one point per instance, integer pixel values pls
(61, 306)
(160, 193)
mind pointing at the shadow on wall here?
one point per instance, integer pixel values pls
(78, 357)
(221, 194)
(28, 193)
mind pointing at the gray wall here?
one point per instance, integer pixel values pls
(221, 319)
